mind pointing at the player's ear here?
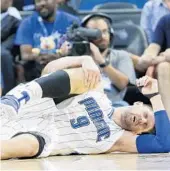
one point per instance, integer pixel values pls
(138, 103)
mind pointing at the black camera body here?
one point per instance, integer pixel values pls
(80, 38)
(80, 48)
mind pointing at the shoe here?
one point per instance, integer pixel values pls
(9, 106)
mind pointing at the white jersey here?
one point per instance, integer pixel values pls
(81, 124)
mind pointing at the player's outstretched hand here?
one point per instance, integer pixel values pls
(148, 86)
(91, 72)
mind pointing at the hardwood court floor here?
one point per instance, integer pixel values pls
(114, 161)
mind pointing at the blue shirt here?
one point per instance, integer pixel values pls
(162, 33)
(151, 14)
(158, 142)
(31, 31)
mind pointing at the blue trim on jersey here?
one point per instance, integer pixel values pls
(111, 113)
(97, 117)
(160, 142)
(81, 121)
(25, 97)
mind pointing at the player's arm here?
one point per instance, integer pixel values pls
(88, 77)
(65, 63)
(149, 143)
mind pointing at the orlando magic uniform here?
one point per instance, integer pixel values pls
(81, 124)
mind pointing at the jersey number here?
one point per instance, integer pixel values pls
(81, 121)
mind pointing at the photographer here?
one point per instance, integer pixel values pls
(116, 65)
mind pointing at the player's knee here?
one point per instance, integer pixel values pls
(33, 149)
(163, 68)
(32, 146)
(25, 145)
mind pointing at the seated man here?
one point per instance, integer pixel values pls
(161, 47)
(38, 36)
(116, 65)
(152, 12)
(33, 126)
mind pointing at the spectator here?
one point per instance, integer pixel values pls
(161, 47)
(151, 14)
(45, 23)
(10, 20)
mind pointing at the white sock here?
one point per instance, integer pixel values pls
(32, 90)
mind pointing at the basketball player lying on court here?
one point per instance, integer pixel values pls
(33, 126)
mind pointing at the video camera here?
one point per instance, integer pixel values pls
(80, 39)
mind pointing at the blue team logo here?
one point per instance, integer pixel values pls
(96, 116)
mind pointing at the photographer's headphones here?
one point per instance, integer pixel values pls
(104, 16)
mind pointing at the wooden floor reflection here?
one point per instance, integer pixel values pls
(114, 161)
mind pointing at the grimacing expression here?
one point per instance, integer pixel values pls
(46, 8)
(138, 119)
(100, 24)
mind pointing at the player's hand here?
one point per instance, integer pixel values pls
(91, 72)
(147, 85)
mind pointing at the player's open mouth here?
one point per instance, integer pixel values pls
(132, 120)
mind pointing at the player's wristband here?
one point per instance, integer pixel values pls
(149, 96)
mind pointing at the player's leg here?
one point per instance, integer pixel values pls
(56, 84)
(163, 76)
(22, 145)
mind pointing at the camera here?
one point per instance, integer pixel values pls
(80, 38)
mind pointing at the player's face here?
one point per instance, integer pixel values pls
(46, 8)
(100, 24)
(138, 119)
